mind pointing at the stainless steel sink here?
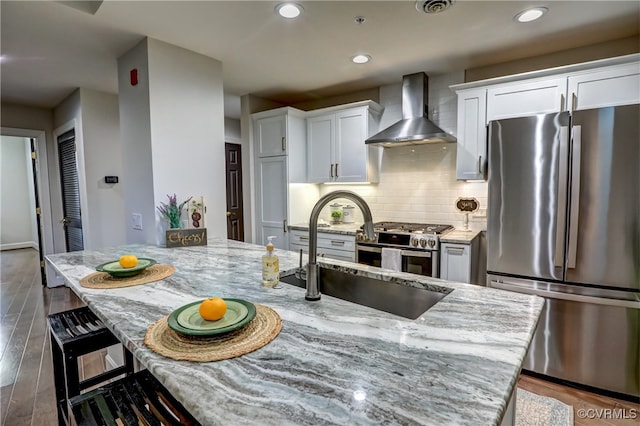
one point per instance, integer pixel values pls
(395, 298)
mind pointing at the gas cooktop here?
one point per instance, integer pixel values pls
(411, 228)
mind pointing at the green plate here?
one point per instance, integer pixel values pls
(190, 317)
(174, 325)
(116, 270)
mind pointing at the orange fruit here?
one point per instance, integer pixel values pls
(213, 309)
(128, 261)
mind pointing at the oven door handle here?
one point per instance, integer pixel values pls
(412, 253)
(369, 249)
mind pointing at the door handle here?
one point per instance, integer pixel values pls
(574, 212)
(229, 214)
(64, 221)
(562, 197)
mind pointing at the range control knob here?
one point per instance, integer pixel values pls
(432, 243)
(414, 241)
(423, 242)
(359, 237)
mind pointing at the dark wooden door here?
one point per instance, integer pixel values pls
(235, 221)
(72, 220)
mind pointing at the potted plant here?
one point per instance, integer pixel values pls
(336, 216)
(171, 212)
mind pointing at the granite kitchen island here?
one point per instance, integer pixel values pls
(334, 362)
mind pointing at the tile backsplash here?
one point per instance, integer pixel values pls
(418, 183)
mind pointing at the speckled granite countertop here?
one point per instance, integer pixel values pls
(343, 228)
(334, 362)
(459, 236)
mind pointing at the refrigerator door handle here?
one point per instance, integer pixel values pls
(518, 288)
(562, 196)
(575, 197)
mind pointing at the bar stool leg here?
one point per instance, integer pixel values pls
(59, 382)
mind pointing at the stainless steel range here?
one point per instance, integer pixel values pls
(407, 247)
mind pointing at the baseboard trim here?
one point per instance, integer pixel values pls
(21, 245)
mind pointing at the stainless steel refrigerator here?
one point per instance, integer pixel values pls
(564, 223)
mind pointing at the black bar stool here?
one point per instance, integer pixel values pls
(132, 401)
(75, 333)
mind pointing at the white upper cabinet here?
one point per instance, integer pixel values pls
(540, 96)
(271, 136)
(607, 82)
(471, 160)
(613, 86)
(320, 143)
(336, 151)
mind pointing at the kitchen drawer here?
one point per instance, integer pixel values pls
(334, 246)
(327, 252)
(298, 237)
(337, 241)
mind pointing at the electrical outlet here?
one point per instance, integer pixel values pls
(136, 221)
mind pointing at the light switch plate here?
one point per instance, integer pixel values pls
(136, 221)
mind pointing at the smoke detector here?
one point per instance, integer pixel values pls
(433, 6)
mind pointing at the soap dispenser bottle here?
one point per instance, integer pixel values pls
(270, 265)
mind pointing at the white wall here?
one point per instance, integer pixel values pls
(418, 184)
(95, 117)
(135, 131)
(17, 202)
(172, 124)
(102, 157)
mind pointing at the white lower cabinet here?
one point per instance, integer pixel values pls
(334, 246)
(455, 262)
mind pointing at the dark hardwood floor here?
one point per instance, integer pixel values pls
(26, 374)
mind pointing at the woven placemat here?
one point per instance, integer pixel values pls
(260, 331)
(104, 280)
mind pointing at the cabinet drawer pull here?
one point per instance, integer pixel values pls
(455, 250)
(284, 143)
(304, 238)
(337, 243)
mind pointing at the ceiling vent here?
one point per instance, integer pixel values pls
(433, 6)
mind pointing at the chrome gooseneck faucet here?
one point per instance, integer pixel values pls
(313, 277)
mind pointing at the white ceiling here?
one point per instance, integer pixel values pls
(49, 49)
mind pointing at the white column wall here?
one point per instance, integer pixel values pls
(172, 125)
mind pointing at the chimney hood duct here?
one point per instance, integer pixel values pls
(414, 128)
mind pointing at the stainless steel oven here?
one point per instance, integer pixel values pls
(416, 245)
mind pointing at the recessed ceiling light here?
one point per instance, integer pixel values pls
(361, 59)
(289, 10)
(530, 14)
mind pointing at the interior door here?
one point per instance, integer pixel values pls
(233, 167)
(604, 220)
(528, 166)
(34, 167)
(72, 220)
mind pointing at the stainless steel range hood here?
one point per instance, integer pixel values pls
(414, 128)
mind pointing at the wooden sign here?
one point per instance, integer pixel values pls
(467, 205)
(186, 237)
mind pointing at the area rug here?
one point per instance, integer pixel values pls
(536, 410)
